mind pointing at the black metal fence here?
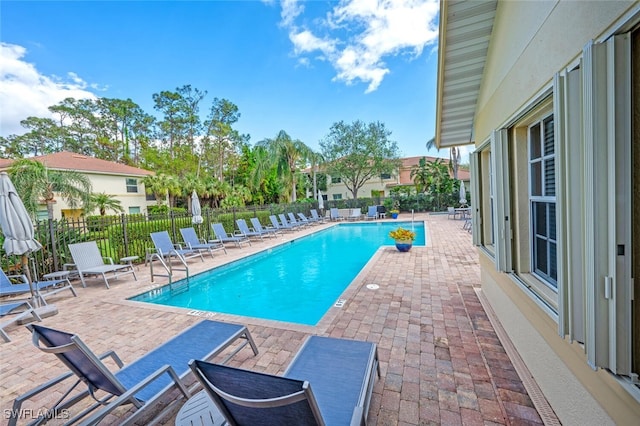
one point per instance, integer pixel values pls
(130, 235)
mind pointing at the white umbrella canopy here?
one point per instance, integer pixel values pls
(16, 225)
(196, 210)
(320, 200)
(463, 193)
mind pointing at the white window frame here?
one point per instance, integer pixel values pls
(129, 185)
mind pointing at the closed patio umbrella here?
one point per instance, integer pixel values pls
(320, 200)
(16, 226)
(463, 194)
(196, 210)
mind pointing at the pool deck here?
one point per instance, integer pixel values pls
(441, 358)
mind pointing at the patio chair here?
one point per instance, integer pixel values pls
(330, 381)
(307, 220)
(355, 214)
(451, 211)
(246, 231)
(316, 216)
(224, 237)
(335, 214)
(89, 261)
(277, 225)
(372, 212)
(22, 309)
(288, 223)
(141, 383)
(168, 250)
(43, 289)
(192, 241)
(293, 220)
(266, 230)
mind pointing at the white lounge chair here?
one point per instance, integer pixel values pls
(89, 261)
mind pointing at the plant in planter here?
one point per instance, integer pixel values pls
(394, 213)
(403, 238)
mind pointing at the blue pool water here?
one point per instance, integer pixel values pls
(295, 282)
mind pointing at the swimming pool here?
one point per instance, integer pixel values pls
(295, 282)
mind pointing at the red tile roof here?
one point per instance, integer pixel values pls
(65, 160)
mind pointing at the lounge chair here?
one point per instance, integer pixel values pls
(307, 220)
(224, 237)
(89, 261)
(330, 381)
(168, 250)
(192, 241)
(266, 230)
(335, 214)
(287, 223)
(278, 225)
(43, 289)
(316, 216)
(296, 222)
(246, 231)
(355, 214)
(372, 212)
(141, 383)
(22, 309)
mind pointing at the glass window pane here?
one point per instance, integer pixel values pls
(534, 142)
(536, 178)
(548, 137)
(552, 221)
(540, 219)
(540, 256)
(553, 263)
(550, 177)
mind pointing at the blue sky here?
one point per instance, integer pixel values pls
(287, 65)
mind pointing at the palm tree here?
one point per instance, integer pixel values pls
(454, 156)
(420, 175)
(35, 183)
(439, 182)
(103, 201)
(158, 185)
(288, 155)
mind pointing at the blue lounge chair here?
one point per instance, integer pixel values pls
(89, 261)
(246, 231)
(141, 383)
(277, 225)
(330, 381)
(307, 220)
(192, 242)
(296, 222)
(167, 250)
(266, 230)
(43, 288)
(287, 223)
(224, 237)
(316, 216)
(22, 309)
(335, 214)
(372, 212)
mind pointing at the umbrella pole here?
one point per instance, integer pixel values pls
(27, 273)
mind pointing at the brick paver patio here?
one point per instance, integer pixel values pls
(441, 359)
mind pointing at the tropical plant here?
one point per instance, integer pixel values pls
(420, 175)
(103, 201)
(402, 234)
(35, 183)
(454, 156)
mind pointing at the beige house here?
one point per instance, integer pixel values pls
(549, 93)
(382, 185)
(119, 180)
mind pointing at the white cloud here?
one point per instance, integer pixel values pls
(24, 92)
(361, 33)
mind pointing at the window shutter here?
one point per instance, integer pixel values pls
(606, 112)
(476, 202)
(570, 199)
(501, 199)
